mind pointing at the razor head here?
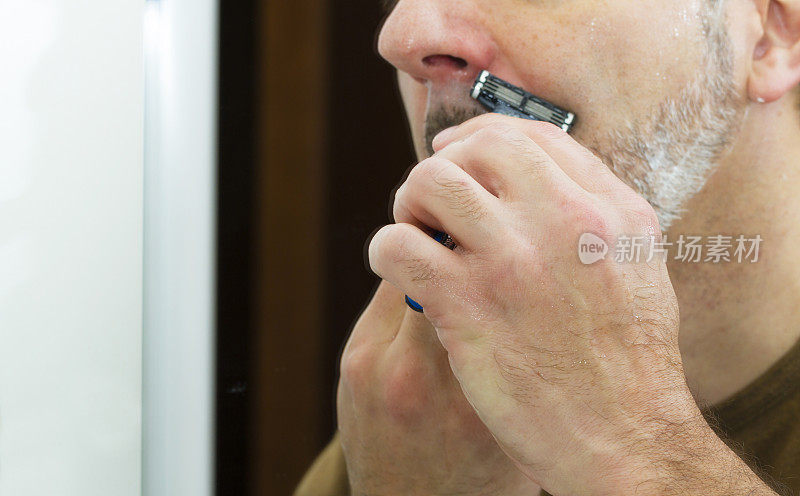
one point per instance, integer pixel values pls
(504, 98)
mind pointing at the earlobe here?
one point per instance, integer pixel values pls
(773, 75)
(776, 57)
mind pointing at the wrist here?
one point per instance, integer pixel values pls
(685, 457)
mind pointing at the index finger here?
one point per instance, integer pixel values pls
(577, 161)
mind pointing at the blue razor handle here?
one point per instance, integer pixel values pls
(413, 305)
(445, 240)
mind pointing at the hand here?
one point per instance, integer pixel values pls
(575, 369)
(405, 426)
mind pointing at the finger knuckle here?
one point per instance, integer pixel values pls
(356, 365)
(396, 244)
(429, 168)
(401, 250)
(401, 204)
(459, 194)
(640, 217)
(404, 391)
(587, 216)
(383, 244)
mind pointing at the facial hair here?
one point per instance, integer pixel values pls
(667, 155)
(443, 117)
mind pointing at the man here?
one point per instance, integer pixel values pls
(532, 368)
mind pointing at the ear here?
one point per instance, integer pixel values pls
(776, 57)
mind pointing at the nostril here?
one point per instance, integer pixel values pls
(444, 60)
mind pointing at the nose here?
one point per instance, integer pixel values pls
(436, 41)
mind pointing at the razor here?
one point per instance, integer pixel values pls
(504, 98)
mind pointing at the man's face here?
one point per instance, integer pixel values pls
(654, 83)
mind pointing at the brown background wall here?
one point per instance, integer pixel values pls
(329, 144)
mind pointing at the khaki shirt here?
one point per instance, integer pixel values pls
(761, 423)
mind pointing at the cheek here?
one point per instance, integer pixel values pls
(607, 60)
(650, 60)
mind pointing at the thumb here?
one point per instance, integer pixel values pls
(380, 320)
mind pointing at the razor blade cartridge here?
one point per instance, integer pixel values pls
(504, 98)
